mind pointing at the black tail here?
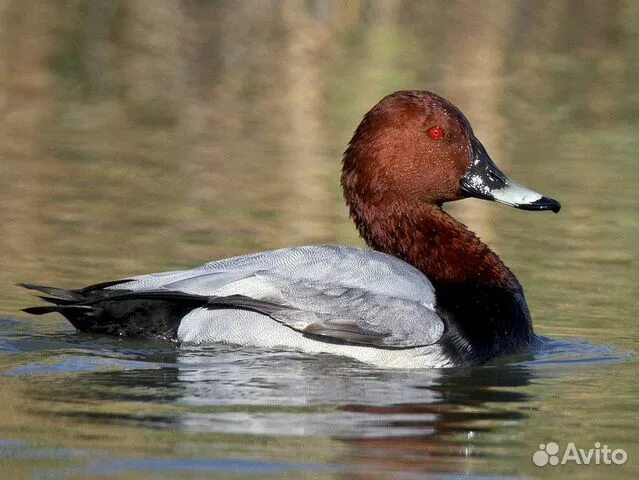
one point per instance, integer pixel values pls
(120, 312)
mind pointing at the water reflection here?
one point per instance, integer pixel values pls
(350, 416)
(422, 420)
(281, 381)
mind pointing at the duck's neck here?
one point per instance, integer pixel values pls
(435, 243)
(478, 296)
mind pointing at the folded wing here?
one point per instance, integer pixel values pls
(335, 293)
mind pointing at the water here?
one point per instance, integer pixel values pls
(137, 139)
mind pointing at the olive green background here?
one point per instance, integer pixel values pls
(140, 136)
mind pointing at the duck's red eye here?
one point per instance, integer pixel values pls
(435, 133)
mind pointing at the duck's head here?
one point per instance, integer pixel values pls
(415, 148)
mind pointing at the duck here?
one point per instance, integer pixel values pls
(427, 293)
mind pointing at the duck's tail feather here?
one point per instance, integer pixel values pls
(59, 296)
(121, 312)
(54, 308)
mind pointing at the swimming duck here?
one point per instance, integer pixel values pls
(429, 293)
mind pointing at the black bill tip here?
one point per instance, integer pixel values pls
(544, 203)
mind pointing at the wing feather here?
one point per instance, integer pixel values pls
(341, 294)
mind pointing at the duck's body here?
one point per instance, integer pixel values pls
(437, 297)
(318, 299)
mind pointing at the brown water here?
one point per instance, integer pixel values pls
(145, 136)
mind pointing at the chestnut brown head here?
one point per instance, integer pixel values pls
(415, 148)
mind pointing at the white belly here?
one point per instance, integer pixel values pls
(241, 327)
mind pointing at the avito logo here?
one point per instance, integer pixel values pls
(548, 454)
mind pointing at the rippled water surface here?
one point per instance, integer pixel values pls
(146, 136)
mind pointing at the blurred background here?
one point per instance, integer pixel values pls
(139, 136)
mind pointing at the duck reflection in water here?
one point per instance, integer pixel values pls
(415, 420)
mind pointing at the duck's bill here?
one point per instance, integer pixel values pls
(485, 180)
